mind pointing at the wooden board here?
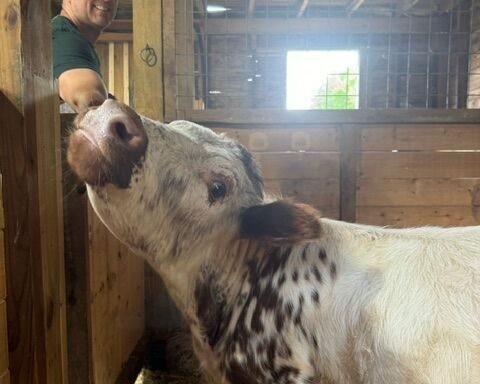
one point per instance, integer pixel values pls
(421, 137)
(3, 338)
(416, 192)
(417, 216)
(420, 165)
(169, 60)
(117, 301)
(30, 148)
(293, 139)
(299, 165)
(319, 192)
(5, 378)
(148, 72)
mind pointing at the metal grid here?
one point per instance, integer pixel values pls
(413, 54)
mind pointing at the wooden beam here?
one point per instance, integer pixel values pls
(302, 8)
(251, 7)
(320, 25)
(120, 25)
(349, 159)
(354, 5)
(147, 58)
(109, 37)
(32, 195)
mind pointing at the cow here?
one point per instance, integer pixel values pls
(271, 291)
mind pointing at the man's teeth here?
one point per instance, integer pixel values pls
(101, 8)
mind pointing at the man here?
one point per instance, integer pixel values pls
(75, 62)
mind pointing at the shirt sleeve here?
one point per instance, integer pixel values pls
(70, 51)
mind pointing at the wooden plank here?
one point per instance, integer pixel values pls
(296, 138)
(320, 25)
(3, 338)
(169, 60)
(415, 192)
(3, 276)
(417, 216)
(110, 37)
(119, 70)
(111, 68)
(349, 155)
(147, 64)
(102, 52)
(299, 165)
(407, 165)
(421, 137)
(184, 50)
(282, 118)
(126, 73)
(77, 272)
(319, 193)
(30, 146)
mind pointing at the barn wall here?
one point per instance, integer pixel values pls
(404, 174)
(4, 372)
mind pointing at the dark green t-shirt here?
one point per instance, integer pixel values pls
(71, 49)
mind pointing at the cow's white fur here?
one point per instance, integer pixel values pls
(404, 307)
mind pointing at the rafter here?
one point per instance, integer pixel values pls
(354, 5)
(251, 7)
(303, 6)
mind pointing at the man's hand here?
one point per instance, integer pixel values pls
(81, 88)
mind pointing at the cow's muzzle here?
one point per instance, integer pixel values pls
(107, 144)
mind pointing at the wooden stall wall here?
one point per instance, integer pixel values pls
(388, 174)
(116, 65)
(4, 372)
(419, 174)
(302, 162)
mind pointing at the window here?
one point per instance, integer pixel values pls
(322, 79)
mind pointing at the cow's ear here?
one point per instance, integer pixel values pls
(282, 221)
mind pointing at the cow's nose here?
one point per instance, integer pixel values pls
(107, 145)
(128, 134)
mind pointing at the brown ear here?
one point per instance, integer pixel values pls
(282, 221)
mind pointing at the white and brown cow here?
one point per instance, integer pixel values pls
(272, 292)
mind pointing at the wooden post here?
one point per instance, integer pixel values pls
(349, 149)
(148, 58)
(32, 195)
(149, 100)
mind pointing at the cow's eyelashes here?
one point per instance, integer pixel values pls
(216, 190)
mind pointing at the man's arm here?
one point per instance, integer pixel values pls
(82, 88)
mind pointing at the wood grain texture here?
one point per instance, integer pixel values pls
(450, 216)
(116, 301)
(310, 139)
(147, 23)
(416, 192)
(3, 338)
(29, 142)
(407, 165)
(421, 137)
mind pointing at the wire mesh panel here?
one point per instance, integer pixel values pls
(409, 53)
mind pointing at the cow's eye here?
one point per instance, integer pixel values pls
(216, 191)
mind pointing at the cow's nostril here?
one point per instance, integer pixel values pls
(122, 132)
(127, 132)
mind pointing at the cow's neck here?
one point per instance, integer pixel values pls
(208, 267)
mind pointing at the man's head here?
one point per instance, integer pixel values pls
(90, 15)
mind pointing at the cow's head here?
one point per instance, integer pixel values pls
(157, 185)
